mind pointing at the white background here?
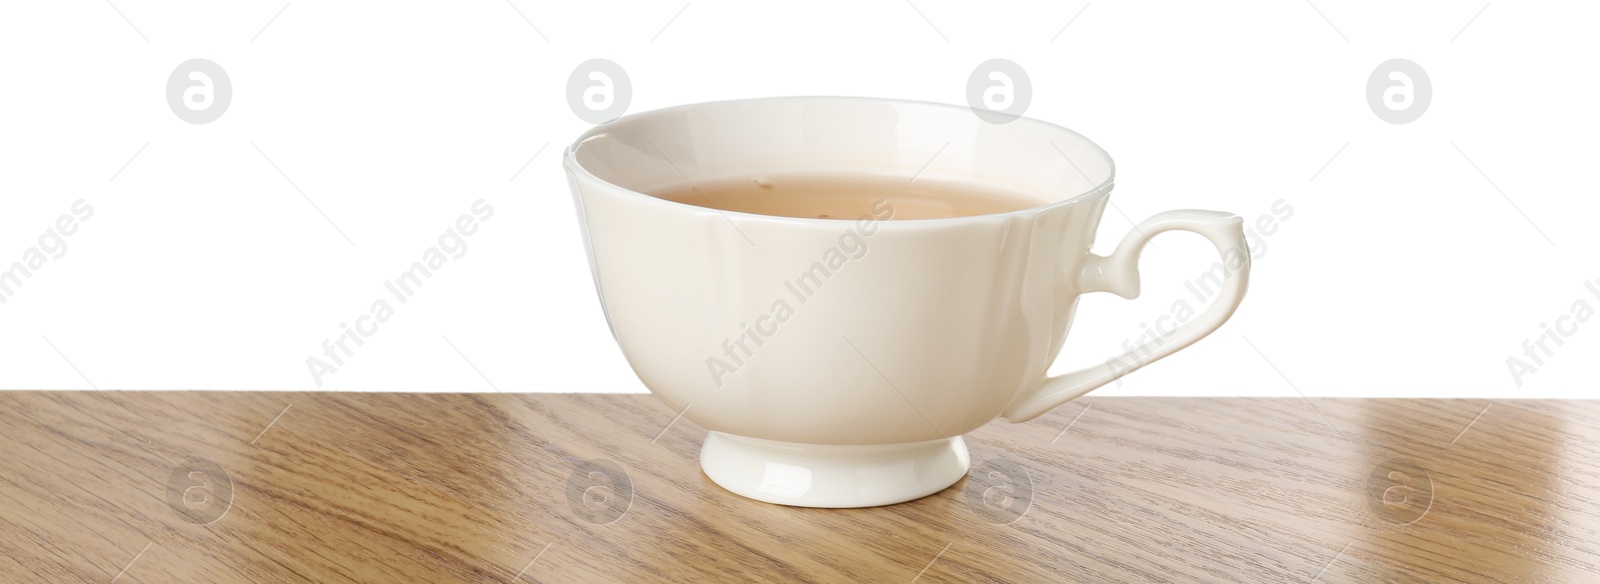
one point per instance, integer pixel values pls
(1404, 271)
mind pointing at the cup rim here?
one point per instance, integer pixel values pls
(569, 159)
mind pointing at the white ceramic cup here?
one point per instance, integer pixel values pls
(851, 386)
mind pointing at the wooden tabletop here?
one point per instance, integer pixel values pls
(358, 487)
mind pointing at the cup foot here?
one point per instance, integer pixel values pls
(837, 476)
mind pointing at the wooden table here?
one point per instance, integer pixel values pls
(315, 487)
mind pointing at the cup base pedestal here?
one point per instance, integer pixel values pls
(835, 476)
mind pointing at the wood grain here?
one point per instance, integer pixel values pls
(475, 488)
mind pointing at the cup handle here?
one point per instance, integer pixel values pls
(1118, 274)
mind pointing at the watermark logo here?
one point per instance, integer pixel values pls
(999, 91)
(52, 245)
(1202, 288)
(599, 491)
(199, 491)
(451, 245)
(1399, 492)
(599, 91)
(851, 247)
(1535, 350)
(1399, 91)
(999, 490)
(198, 91)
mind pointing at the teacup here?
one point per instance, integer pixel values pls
(861, 394)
